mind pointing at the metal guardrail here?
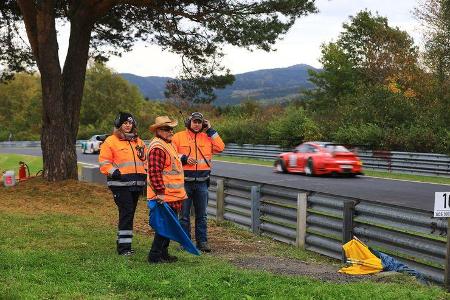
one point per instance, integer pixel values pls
(322, 223)
(20, 144)
(401, 162)
(29, 144)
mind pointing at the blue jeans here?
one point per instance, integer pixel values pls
(198, 195)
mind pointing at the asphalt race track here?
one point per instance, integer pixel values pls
(402, 193)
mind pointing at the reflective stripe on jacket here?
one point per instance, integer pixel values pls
(201, 147)
(172, 173)
(123, 155)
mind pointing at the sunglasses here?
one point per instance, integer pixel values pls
(167, 129)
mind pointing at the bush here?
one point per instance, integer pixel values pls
(293, 127)
(369, 135)
(242, 130)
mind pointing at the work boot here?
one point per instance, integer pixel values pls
(169, 258)
(204, 247)
(155, 259)
(165, 253)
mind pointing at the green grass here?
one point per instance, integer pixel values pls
(367, 172)
(58, 241)
(63, 256)
(11, 162)
(410, 177)
(244, 160)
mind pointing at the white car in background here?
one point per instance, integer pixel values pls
(93, 144)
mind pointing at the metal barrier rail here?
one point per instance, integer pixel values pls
(29, 144)
(401, 162)
(322, 223)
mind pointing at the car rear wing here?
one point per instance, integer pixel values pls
(102, 137)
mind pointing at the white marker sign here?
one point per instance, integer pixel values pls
(442, 204)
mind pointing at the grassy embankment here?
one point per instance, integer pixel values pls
(58, 240)
(11, 162)
(367, 172)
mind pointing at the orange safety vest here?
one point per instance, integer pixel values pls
(123, 155)
(199, 146)
(172, 173)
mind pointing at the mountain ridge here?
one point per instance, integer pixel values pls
(266, 84)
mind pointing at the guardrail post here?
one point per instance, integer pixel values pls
(347, 226)
(300, 239)
(220, 200)
(447, 259)
(256, 212)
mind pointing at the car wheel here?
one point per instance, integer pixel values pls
(280, 166)
(309, 167)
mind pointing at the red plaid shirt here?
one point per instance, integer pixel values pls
(156, 160)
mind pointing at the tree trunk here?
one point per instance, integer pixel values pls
(59, 139)
(57, 142)
(61, 92)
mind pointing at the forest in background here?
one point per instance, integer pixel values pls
(376, 90)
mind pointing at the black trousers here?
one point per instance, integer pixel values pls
(126, 202)
(160, 248)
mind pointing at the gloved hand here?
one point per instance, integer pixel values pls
(116, 174)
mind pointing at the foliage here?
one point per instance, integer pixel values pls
(105, 94)
(373, 92)
(435, 17)
(368, 135)
(192, 29)
(367, 52)
(293, 127)
(20, 111)
(196, 90)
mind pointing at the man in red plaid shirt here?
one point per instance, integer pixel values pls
(165, 180)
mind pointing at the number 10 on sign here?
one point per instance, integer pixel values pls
(442, 204)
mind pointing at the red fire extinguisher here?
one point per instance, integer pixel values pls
(23, 169)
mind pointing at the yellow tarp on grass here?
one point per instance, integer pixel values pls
(362, 259)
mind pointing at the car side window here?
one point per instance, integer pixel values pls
(312, 149)
(302, 149)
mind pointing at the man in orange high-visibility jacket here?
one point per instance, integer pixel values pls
(122, 160)
(165, 181)
(196, 149)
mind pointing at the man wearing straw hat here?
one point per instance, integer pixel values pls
(165, 182)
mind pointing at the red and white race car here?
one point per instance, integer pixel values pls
(319, 158)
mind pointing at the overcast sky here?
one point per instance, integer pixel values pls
(300, 46)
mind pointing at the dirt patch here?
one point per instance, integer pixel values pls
(287, 266)
(227, 245)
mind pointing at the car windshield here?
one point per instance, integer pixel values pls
(94, 138)
(336, 148)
